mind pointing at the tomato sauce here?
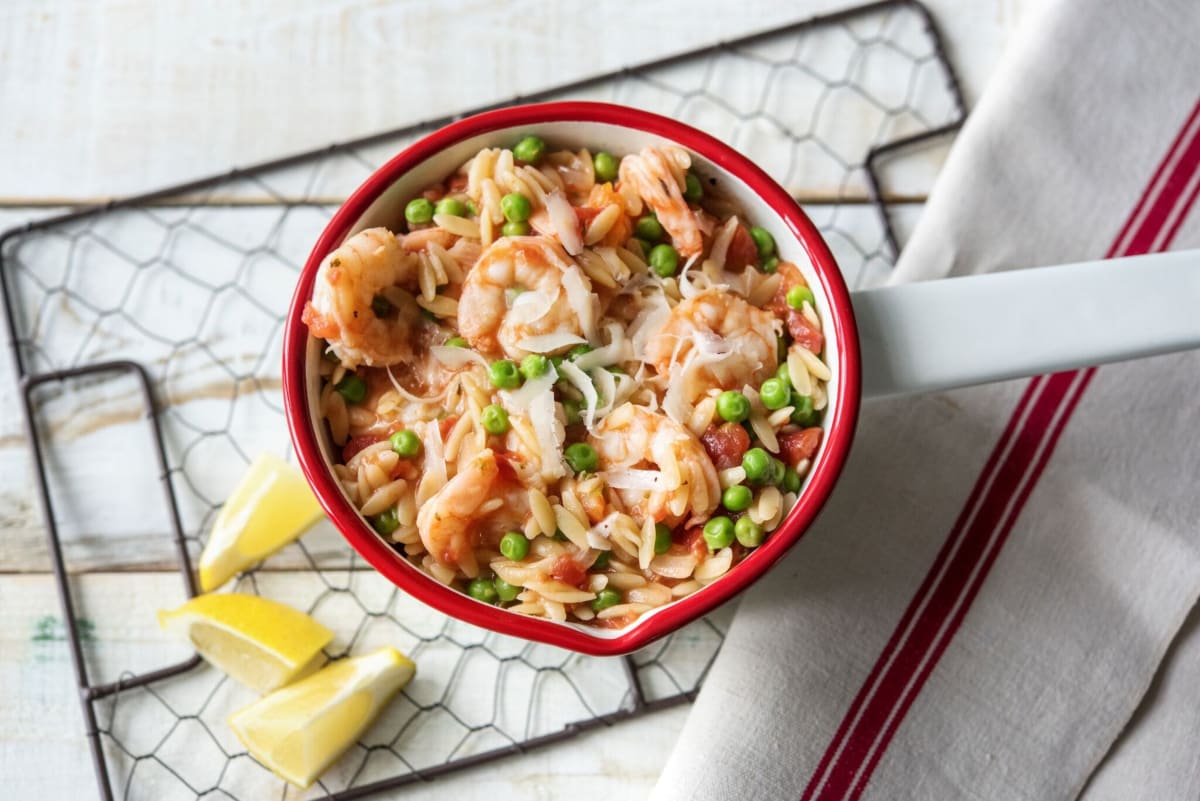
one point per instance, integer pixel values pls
(568, 571)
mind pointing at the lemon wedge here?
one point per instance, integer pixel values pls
(261, 643)
(301, 730)
(271, 506)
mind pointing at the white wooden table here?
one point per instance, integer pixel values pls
(105, 99)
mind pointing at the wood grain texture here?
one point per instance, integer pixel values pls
(108, 99)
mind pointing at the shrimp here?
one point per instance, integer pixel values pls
(473, 509)
(345, 305)
(715, 340)
(633, 440)
(526, 287)
(446, 521)
(658, 177)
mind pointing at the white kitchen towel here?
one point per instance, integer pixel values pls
(987, 597)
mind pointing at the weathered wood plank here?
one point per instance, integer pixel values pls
(141, 95)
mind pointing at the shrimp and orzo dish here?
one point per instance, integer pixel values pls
(576, 385)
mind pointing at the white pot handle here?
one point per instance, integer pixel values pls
(957, 332)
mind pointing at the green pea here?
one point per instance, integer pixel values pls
(803, 413)
(352, 388)
(505, 591)
(774, 394)
(718, 533)
(515, 229)
(418, 210)
(791, 481)
(763, 241)
(662, 538)
(534, 365)
(572, 410)
(582, 457)
(457, 342)
(606, 598)
(664, 260)
(514, 546)
(381, 306)
(606, 166)
(494, 419)
(558, 535)
(504, 374)
(515, 207)
(770, 265)
(757, 464)
(577, 351)
(798, 295)
(405, 443)
(778, 471)
(693, 190)
(737, 498)
(452, 206)
(649, 228)
(748, 532)
(483, 589)
(644, 246)
(733, 406)
(602, 560)
(530, 149)
(784, 375)
(472, 208)
(385, 522)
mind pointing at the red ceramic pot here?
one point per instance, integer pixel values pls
(597, 126)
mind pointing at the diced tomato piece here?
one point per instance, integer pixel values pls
(790, 276)
(614, 622)
(433, 194)
(742, 250)
(356, 444)
(445, 424)
(693, 538)
(726, 444)
(504, 466)
(456, 182)
(585, 215)
(803, 332)
(568, 571)
(406, 469)
(800, 445)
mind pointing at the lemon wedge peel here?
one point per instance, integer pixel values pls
(261, 643)
(299, 731)
(270, 507)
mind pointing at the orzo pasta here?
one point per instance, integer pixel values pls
(576, 386)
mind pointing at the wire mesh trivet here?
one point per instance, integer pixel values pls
(167, 309)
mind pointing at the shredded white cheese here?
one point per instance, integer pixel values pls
(550, 343)
(582, 382)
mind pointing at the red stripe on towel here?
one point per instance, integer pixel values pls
(1009, 476)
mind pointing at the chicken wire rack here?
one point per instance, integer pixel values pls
(150, 329)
